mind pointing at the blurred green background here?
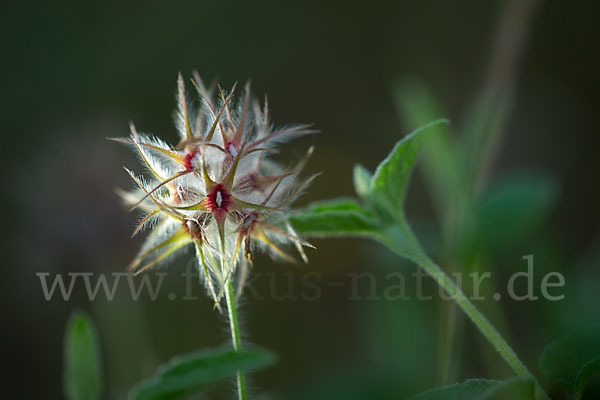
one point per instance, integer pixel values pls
(76, 72)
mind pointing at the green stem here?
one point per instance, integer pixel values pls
(488, 330)
(235, 335)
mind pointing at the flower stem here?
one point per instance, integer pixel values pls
(488, 330)
(235, 335)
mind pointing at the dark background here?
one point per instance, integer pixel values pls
(76, 72)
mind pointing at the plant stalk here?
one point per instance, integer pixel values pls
(235, 335)
(488, 330)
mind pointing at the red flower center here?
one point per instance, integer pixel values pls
(189, 158)
(218, 200)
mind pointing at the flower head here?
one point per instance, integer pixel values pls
(217, 189)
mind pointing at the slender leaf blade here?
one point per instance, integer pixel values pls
(482, 131)
(82, 372)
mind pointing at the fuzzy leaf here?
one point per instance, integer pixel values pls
(481, 389)
(345, 218)
(194, 372)
(390, 180)
(572, 361)
(82, 374)
(340, 217)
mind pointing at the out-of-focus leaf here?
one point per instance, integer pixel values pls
(194, 372)
(344, 381)
(82, 361)
(362, 181)
(339, 217)
(482, 389)
(443, 168)
(511, 208)
(390, 180)
(572, 361)
(482, 130)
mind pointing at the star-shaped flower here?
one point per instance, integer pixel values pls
(217, 190)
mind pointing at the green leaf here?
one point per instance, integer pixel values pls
(511, 208)
(194, 372)
(401, 239)
(339, 217)
(390, 180)
(383, 193)
(572, 361)
(345, 218)
(82, 372)
(444, 169)
(482, 389)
